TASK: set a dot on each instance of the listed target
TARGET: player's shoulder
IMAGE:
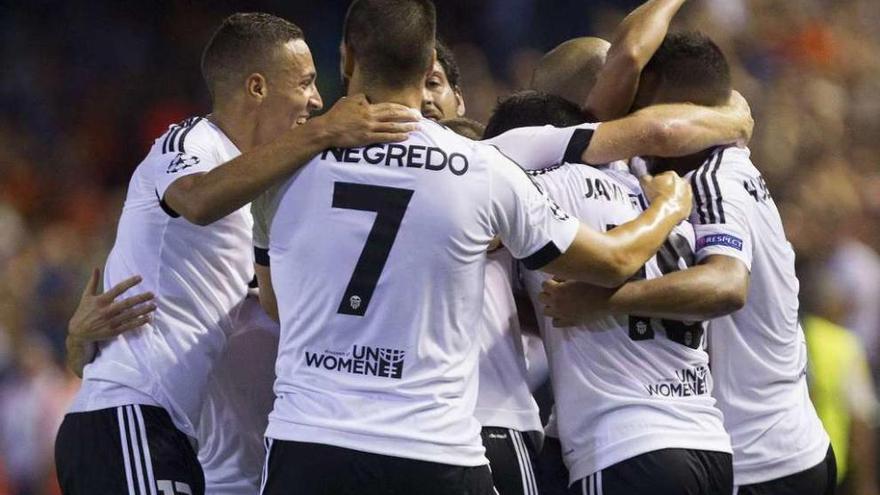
(724, 168)
(186, 136)
(729, 162)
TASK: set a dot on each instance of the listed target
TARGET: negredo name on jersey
(400, 155)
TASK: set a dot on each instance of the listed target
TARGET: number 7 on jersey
(390, 205)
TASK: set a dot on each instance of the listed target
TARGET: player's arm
(100, 317)
(609, 259)
(717, 287)
(670, 130)
(207, 197)
(267, 292)
(636, 39)
(660, 130)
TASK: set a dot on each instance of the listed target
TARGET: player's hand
(742, 113)
(100, 317)
(671, 189)
(571, 304)
(353, 122)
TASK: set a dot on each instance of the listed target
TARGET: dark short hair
(689, 67)
(244, 43)
(392, 40)
(532, 108)
(466, 127)
(447, 60)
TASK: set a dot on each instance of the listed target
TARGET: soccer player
(633, 409)
(745, 279)
(183, 228)
(377, 257)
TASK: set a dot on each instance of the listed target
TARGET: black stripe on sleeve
(190, 127)
(165, 142)
(542, 257)
(580, 140)
(719, 206)
(704, 180)
(173, 135)
(261, 256)
(167, 209)
(698, 196)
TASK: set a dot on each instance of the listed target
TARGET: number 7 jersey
(377, 258)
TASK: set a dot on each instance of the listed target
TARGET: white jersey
(378, 257)
(624, 386)
(759, 355)
(504, 399)
(237, 404)
(198, 274)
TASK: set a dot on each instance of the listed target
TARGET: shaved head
(570, 70)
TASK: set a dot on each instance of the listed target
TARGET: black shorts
(820, 479)
(663, 472)
(127, 450)
(552, 473)
(299, 468)
(511, 455)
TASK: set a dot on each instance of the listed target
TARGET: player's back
(377, 259)
(758, 354)
(198, 275)
(626, 385)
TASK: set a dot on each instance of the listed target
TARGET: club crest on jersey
(181, 162)
(382, 362)
(354, 302)
(725, 240)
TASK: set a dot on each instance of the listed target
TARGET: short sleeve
(722, 208)
(180, 158)
(533, 228)
(535, 148)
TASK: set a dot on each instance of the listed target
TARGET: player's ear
(459, 103)
(346, 63)
(255, 86)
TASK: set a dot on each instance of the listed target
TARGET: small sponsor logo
(688, 382)
(181, 162)
(362, 360)
(726, 240)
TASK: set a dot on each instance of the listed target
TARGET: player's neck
(242, 136)
(410, 96)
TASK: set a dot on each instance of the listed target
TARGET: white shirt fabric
(504, 399)
(198, 274)
(758, 354)
(388, 363)
(237, 404)
(624, 386)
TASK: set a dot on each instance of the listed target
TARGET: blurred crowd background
(87, 86)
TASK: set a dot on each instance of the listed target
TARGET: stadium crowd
(84, 92)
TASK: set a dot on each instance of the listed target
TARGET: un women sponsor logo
(361, 360)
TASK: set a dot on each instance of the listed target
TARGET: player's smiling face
(292, 93)
(439, 99)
